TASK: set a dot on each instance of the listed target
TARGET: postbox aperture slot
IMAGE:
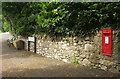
(106, 33)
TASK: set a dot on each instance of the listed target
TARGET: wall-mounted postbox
(107, 42)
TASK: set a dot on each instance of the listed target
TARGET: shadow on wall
(119, 50)
(119, 42)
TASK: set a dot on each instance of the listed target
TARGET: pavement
(21, 63)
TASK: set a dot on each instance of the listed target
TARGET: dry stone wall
(88, 50)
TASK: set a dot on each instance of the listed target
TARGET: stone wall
(25, 40)
(88, 50)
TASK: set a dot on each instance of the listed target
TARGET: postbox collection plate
(106, 40)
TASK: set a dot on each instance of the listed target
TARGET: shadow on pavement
(57, 71)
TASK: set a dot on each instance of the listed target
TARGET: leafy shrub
(58, 18)
(75, 61)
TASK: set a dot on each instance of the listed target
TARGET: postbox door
(106, 44)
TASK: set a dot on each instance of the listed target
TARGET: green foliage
(5, 26)
(75, 61)
(91, 66)
(0, 31)
(58, 18)
(22, 54)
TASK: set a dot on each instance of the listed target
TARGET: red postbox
(107, 42)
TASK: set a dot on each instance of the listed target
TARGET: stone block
(83, 55)
(72, 48)
(64, 47)
(114, 70)
(56, 56)
(87, 38)
(74, 44)
(85, 62)
(88, 47)
(75, 39)
(105, 62)
(65, 60)
(103, 67)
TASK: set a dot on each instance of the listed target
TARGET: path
(34, 65)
